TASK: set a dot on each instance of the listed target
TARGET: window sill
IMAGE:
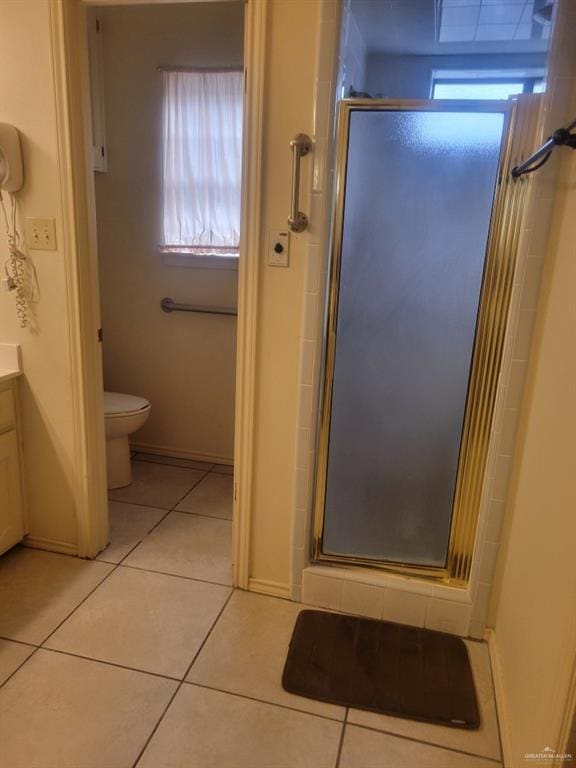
(173, 258)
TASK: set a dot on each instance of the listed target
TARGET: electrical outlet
(41, 234)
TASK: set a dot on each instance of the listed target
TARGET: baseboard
(272, 588)
(51, 545)
(158, 450)
(507, 755)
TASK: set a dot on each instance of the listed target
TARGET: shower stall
(424, 241)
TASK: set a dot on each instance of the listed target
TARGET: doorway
(70, 40)
(167, 99)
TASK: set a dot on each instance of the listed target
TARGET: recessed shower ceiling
(488, 20)
(451, 26)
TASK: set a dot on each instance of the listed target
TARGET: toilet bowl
(123, 415)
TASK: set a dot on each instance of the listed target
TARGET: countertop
(10, 362)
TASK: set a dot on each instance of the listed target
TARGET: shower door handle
(301, 145)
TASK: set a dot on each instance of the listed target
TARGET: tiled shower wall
(374, 593)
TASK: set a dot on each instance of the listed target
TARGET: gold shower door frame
(518, 136)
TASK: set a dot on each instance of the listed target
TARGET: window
(202, 162)
(483, 84)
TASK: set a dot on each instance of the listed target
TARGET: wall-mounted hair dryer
(11, 167)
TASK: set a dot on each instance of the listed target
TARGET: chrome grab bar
(169, 305)
(301, 145)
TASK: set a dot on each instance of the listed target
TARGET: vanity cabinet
(12, 519)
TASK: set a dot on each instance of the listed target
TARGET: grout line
(41, 645)
(155, 506)
(137, 457)
(342, 734)
(175, 575)
(179, 686)
(19, 667)
(20, 642)
(120, 562)
(115, 567)
(194, 514)
(423, 741)
(263, 701)
(100, 559)
(133, 504)
(106, 577)
(196, 484)
(108, 663)
(57, 627)
(216, 620)
(199, 514)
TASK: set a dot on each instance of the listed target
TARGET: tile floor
(147, 657)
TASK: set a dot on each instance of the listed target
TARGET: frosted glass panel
(418, 199)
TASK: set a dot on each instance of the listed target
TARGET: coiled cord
(18, 266)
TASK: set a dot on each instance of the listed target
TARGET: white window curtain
(202, 161)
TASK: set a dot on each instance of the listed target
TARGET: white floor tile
(212, 497)
(39, 589)
(11, 656)
(143, 620)
(247, 649)
(369, 749)
(174, 461)
(209, 729)
(157, 485)
(188, 545)
(129, 523)
(59, 711)
(485, 741)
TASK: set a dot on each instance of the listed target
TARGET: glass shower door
(416, 190)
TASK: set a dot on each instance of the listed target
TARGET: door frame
(70, 63)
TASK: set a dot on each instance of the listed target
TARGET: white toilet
(123, 415)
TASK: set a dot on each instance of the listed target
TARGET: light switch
(278, 249)
(41, 234)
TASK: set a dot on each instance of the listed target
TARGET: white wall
(183, 363)
(27, 100)
(532, 610)
(293, 29)
(535, 598)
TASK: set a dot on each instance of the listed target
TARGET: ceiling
(433, 27)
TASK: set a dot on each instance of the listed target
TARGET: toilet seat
(117, 405)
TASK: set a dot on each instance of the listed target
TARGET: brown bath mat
(382, 667)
